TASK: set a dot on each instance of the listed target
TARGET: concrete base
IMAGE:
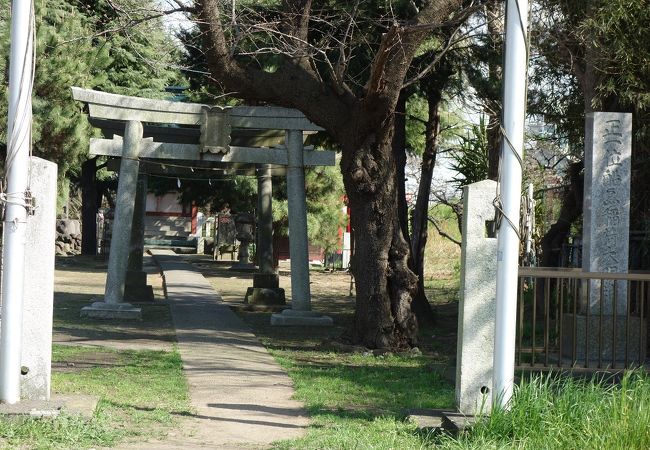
(243, 267)
(103, 310)
(83, 405)
(590, 343)
(290, 317)
(426, 419)
(265, 296)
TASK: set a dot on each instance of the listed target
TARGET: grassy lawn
(358, 401)
(141, 394)
(133, 367)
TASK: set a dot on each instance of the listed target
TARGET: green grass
(141, 393)
(379, 385)
(549, 412)
(358, 401)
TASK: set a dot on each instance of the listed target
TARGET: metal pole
(514, 108)
(15, 226)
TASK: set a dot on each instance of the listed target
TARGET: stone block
(610, 344)
(265, 296)
(38, 297)
(136, 277)
(138, 293)
(103, 310)
(477, 308)
(74, 404)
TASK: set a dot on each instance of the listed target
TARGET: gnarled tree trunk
(360, 120)
(384, 283)
(420, 304)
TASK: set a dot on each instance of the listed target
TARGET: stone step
(168, 226)
(170, 242)
(167, 236)
(159, 232)
(163, 220)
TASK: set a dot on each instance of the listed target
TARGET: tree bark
(384, 283)
(420, 304)
(399, 152)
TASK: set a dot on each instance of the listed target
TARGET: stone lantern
(245, 234)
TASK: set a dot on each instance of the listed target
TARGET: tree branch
(441, 232)
(293, 85)
(298, 13)
(398, 46)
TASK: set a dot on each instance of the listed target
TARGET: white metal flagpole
(514, 109)
(21, 61)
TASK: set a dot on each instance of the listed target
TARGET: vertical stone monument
(36, 359)
(266, 288)
(602, 323)
(606, 223)
(477, 308)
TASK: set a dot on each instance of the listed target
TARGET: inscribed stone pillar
(602, 328)
(113, 305)
(36, 358)
(300, 312)
(477, 308)
(608, 148)
(136, 287)
(266, 283)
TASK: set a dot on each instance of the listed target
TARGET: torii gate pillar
(300, 312)
(113, 305)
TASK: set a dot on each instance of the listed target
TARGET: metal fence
(570, 319)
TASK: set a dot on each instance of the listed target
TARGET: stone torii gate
(200, 135)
